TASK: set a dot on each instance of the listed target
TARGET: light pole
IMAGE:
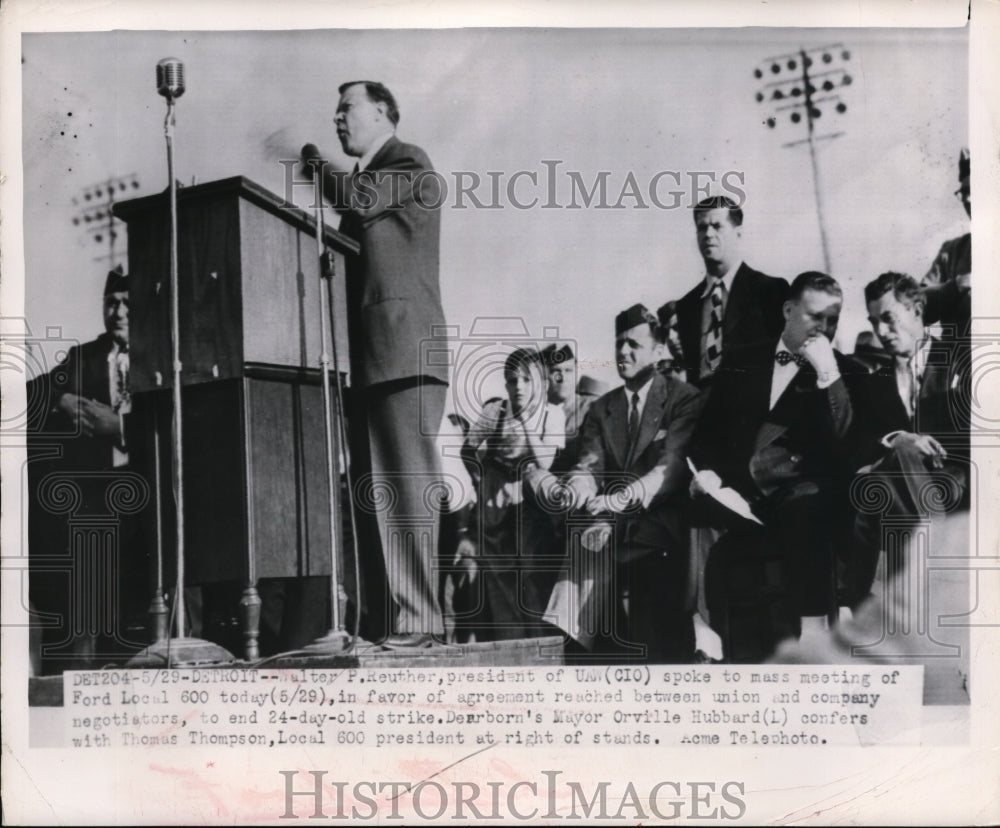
(798, 89)
(95, 212)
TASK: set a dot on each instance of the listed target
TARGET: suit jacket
(55, 446)
(808, 435)
(576, 414)
(753, 313)
(84, 373)
(393, 290)
(941, 409)
(947, 294)
(656, 464)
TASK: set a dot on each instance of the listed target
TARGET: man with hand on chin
(778, 426)
(632, 472)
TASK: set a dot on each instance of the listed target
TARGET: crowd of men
(741, 440)
(803, 434)
(831, 459)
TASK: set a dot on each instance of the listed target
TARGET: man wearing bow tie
(777, 427)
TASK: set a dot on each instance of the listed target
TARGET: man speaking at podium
(389, 205)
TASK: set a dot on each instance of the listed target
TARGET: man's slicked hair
(903, 287)
(814, 280)
(377, 93)
(720, 203)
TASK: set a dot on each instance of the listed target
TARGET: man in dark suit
(390, 206)
(914, 425)
(777, 427)
(734, 304)
(91, 390)
(947, 286)
(81, 437)
(632, 472)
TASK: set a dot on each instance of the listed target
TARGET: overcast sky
(617, 101)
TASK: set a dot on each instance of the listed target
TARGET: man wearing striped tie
(733, 304)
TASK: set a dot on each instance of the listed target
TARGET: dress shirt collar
(910, 373)
(727, 280)
(917, 363)
(921, 356)
(642, 392)
(377, 144)
(783, 346)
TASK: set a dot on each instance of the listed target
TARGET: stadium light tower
(799, 88)
(94, 212)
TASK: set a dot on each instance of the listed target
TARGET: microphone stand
(158, 611)
(179, 650)
(337, 640)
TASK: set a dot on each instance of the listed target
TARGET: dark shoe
(408, 641)
(701, 657)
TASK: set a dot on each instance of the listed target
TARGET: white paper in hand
(730, 498)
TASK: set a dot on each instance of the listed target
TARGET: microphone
(170, 78)
(311, 159)
(310, 154)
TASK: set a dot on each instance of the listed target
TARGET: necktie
(633, 421)
(123, 399)
(784, 357)
(713, 338)
(914, 388)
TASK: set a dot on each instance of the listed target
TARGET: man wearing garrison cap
(560, 362)
(87, 418)
(632, 473)
(91, 389)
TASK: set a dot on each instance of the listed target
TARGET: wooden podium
(256, 495)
